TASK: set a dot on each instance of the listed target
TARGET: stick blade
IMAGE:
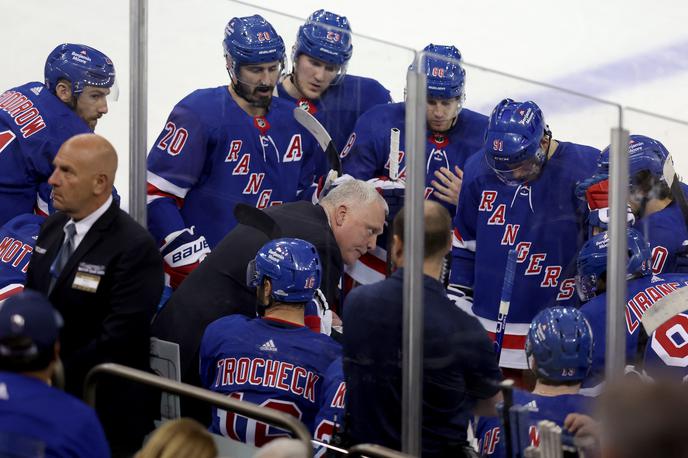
(324, 139)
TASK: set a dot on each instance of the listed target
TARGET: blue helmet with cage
(560, 345)
(325, 36)
(512, 141)
(252, 40)
(81, 65)
(292, 265)
(592, 261)
(445, 76)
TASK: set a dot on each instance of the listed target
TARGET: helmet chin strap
(238, 90)
(295, 81)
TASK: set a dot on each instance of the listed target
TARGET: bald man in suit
(103, 272)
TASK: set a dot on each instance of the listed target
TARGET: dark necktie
(63, 255)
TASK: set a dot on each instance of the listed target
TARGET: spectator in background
(644, 420)
(36, 419)
(180, 438)
(103, 272)
(460, 369)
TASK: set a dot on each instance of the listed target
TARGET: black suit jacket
(218, 286)
(112, 323)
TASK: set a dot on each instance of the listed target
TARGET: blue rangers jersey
(642, 294)
(666, 355)
(340, 106)
(33, 125)
(542, 220)
(212, 155)
(667, 235)
(267, 362)
(39, 420)
(554, 408)
(366, 154)
(17, 239)
(330, 417)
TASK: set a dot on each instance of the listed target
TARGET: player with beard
(225, 145)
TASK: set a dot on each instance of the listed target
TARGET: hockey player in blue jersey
(318, 81)
(226, 145)
(665, 353)
(330, 418)
(36, 118)
(559, 351)
(17, 239)
(274, 360)
(643, 290)
(518, 194)
(454, 133)
(658, 215)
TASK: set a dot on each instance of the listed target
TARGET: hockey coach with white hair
(343, 226)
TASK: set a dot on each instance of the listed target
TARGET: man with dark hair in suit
(103, 272)
(459, 363)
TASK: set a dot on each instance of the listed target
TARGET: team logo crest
(306, 105)
(262, 124)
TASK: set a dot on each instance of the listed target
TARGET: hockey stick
(394, 135)
(675, 185)
(317, 130)
(505, 301)
(258, 219)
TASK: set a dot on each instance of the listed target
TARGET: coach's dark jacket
(112, 323)
(218, 286)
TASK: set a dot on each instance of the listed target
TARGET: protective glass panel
(657, 196)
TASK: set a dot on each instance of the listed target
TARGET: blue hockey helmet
(292, 265)
(81, 65)
(445, 77)
(512, 141)
(252, 40)
(644, 153)
(560, 344)
(325, 36)
(592, 261)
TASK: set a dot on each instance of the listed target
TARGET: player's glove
(318, 315)
(393, 193)
(583, 185)
(182, 252)
(597, 197)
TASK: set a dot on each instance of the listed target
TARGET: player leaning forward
(225, 145)
(519, 195)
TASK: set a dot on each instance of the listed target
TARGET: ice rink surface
(634, 53)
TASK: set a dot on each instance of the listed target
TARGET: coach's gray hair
(353, 192)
